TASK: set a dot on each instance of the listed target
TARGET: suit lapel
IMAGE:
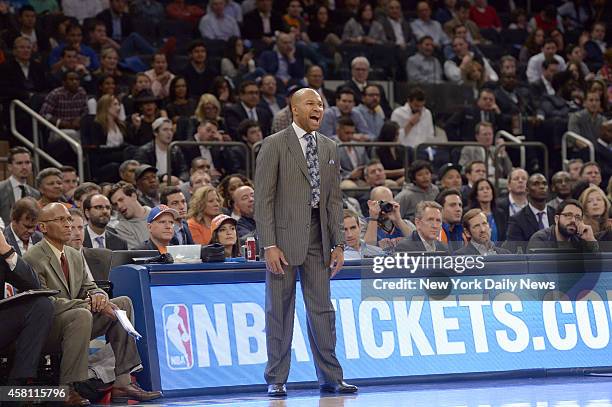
(87, 240)
(296, 150)
(74, 264)
(531, 218)
(55, 265)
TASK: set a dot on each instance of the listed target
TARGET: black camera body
(385, 207)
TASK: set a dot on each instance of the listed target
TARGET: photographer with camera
(385, 224)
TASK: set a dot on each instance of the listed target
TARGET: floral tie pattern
(312, 161)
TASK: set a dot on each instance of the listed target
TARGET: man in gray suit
(82, 310)
(297, 189)
(352, 159)
(15, 186)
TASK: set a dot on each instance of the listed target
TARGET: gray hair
(421, 206)
(357, 60)
(47, 172)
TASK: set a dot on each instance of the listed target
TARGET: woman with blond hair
(596, 207)
(209, 108)
(204, 205)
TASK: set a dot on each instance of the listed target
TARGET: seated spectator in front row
(173, 197)
(132, 223)
(97, 210)
(428, 222)
(25, 323)
(569, 231)
(81, 313)
(160, 223)
(533, 217)
(21, 233)
(384, 228)
(354, 247)
(452, 210)
(205, 204)
(243, 199)
(97, 261)
(478, 231)
(420, 189)
(224, 232)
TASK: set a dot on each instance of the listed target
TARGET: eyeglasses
(61, 219)
(569, 216)
(101, 207)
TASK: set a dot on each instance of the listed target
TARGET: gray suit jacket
(43, 261)
(99, 262)
(12, 239)
(282, 196)
(111, 241)
(7, 199)
(346, 166)
(473, 153)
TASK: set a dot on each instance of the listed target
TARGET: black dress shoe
(277, 390)
(340, 387)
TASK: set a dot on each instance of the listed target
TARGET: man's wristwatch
(7, 254)
(338, 245)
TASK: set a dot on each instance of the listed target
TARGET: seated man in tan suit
(82, 310)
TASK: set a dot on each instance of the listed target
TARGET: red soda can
(251, 250)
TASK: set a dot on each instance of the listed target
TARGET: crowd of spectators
(125, 79)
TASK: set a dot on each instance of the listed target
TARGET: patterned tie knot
(312, 161)
(100, 241)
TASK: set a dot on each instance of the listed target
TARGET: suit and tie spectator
(460, 126)
(247, 108)
(21, 232)
(15, 187)
(396, 27)
(476, 228)
(428, 222)
(97, 210)
(533, 217)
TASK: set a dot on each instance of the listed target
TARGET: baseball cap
(446, 168)
(219, 220)
(159, 121)
(160, 210)
(142, 169)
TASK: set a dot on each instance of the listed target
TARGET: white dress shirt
(300, 134)
(544, 217)
(422, 132)
(93, 236)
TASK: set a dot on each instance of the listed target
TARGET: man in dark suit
(477, 229)
(360, 70)
(81, 311)
(533, 217)
(460, 126)
(21, 233)
(247, 108)
(253, 27)
(175, 199)
(428, 222)
(27, 28)
(97, 261)
(298, 210)
(22, 77)
(25, 323)
(118, 10)
(284, 61)
(603, 151)
(515, 201)
(19, 167)
(97, 210)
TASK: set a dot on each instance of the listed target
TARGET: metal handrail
(239, 144)
(514, 139)
(34, 146)
(455, 144)
(522, 145)
(578, 137)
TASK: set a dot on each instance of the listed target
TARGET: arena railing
(35, 146)
(522, 145)
(243, 146)
(514, 139)
(452, 145)
(570, 135)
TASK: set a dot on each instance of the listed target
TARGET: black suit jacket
(199, 83)
(413, 243)
(7, 199)
(384, 103)
(15, 85)
(111, 241)
(22, 277)
(146, 155)
(235, 114)
(12, 240)
(502, 212)
(42, 40)
(522, 226)
(99, 262)
(460, 126)
(189, 238)
(470, 250)
(252, 25)
(126, 23)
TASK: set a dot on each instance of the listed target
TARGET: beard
(563, 230)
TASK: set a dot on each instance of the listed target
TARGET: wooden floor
(540, 392)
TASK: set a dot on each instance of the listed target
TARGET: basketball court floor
(589, 391)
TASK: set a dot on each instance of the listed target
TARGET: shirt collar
(536, 210)
(56, 252)
(14, 182)
(300, 132)
(93, 235)
(482, 249)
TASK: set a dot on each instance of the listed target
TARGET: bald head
(52, 210)
(307, 109)
(381, 194)
(55, 222)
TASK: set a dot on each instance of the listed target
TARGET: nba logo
(177, 335)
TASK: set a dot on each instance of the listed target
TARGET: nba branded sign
(216, 335)
(177, 329)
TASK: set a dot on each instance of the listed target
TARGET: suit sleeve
(22, 276)
(88, 287)
(334, 207)
(266, 174)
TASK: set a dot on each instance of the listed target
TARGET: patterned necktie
(64, 264)
(312, 161)
(24, 191)
(100, 241)
(251, 114)
(540, 220)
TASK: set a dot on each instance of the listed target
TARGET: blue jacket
(268, 61)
